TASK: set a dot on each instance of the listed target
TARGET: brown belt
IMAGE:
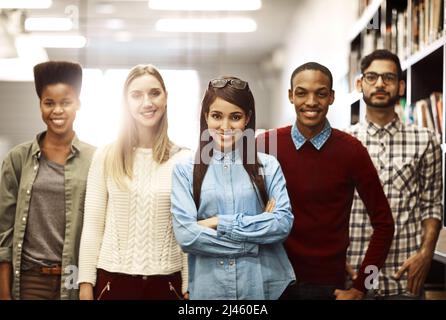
(54, 271)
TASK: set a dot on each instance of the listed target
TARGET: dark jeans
(118, 286)
(309, 291)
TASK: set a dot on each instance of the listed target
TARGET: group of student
(301, 212)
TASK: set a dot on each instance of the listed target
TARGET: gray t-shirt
(45, 229)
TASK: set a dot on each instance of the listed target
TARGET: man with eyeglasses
(322, 167)
(408, 160)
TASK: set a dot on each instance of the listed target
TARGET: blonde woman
(128, 249)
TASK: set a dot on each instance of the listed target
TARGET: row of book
(427, 22)
(426, 112)
(399, 31)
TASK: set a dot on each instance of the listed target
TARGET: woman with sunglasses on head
(128, 249)
(42, 192)
(231, 210)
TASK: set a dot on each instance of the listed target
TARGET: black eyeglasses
(372, 77)
(235, 83)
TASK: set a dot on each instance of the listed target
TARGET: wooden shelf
(420, 55)
(361, 24)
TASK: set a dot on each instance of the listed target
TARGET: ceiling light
(114, 24)
(25, 4)
(206, 5)
(48, 24)
(105, 8)
(207, 25)
(57, 41)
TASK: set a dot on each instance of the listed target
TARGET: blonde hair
(119, 156)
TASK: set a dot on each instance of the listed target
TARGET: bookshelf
(415, 30)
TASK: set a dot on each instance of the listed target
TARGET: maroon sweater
(321, 184)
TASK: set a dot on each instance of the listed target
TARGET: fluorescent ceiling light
(207, 25)
(105, 8)
(48, 24)
(25, 4)
(114, 24)
(58, 41)
(206, 5)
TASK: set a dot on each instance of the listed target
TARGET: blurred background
(190, 41)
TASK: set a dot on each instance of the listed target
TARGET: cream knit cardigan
(131, 231)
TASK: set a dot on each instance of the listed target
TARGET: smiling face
(226, 123)
(58, 105)
(381, 94)
(311, 95)
(146, 101)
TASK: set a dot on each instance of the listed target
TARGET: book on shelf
(401, 35)
(435, 97)
(427, 113)
(427, 23)
(415, 27)
(369, 43)
(436, 26)
(440, 114)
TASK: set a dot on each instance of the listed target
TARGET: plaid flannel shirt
(408, 161)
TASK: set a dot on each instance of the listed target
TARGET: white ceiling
(104, 47)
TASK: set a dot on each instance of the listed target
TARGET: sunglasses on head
(235, 83)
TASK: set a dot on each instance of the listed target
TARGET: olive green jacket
(19, 170)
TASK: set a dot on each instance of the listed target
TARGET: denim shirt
(244, 258)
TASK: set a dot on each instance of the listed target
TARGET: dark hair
(312, 66)
(245, 100)
(382, 55)
(53, 72)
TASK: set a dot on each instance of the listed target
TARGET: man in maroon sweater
(323, 167)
